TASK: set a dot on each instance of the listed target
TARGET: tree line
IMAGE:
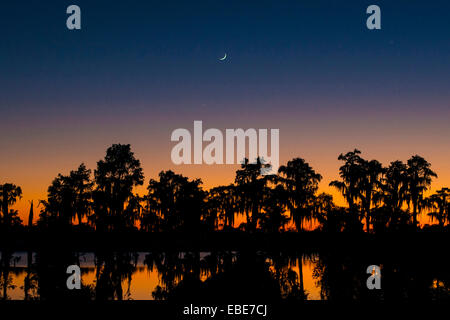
(379, 198)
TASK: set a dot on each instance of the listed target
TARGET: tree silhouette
(395, 186)
(68, 197)
(222, 203)
(375, 195)
(440, 205)
(351, 173)
(273, 218)
(330, 217)
(370, 185)
(392, 195)
(82, 186)
(251, 187)
(9, 193)
(115, 178)
(301, 183)
(179, 203)
(30, 215)
(419, 177)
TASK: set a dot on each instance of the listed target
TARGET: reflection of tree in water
(5, 277)
(30, 285)
(112, 268)
(232, 276)
(9, 271)
(425, 279)
(282, 267)
(51, 273)
(338, 277)
(226, 275)
(342, 276)
(173, 268)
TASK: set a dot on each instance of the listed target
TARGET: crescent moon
(224, 57)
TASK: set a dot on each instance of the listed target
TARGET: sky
(138, 70)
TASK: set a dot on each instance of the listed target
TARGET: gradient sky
(136, 71)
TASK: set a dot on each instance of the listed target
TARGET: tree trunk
(300, 271)
(415, 213)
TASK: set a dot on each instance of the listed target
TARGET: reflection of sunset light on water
(437, 284)
(143, 281)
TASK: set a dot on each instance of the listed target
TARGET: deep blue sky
(167, 51)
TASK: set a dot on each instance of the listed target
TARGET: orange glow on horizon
(212, 177)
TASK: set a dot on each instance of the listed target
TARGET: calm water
(184, 276)
(142, 275)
